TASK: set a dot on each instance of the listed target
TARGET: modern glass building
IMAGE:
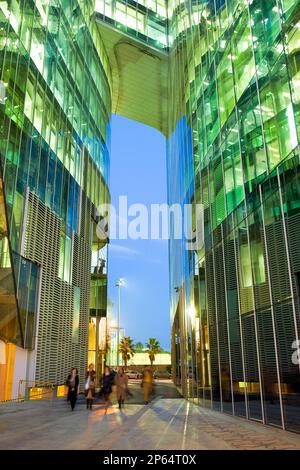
(54, 145)
(220, 79)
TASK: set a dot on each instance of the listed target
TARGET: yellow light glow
(61, 391)
(191, 311)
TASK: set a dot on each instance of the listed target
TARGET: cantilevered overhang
(139, 78)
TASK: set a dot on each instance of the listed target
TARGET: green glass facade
(145, 20)
(54, 145)
(10, 320)
(234, 148)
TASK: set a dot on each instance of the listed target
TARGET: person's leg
(72, 401)
(146, 393)
(91, 403)
(150, 391)
(87, 403)
(75, 399)
(107, 402)
(120, 403)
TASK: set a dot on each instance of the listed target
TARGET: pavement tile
(169, 423)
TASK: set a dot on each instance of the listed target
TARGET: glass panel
(225, 86)
(9, 323)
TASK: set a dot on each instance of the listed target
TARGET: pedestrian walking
(121, 381)
(73, 385)
(90, 386)
(107, 383)
(147, 384)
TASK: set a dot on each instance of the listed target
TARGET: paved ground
(168, 423)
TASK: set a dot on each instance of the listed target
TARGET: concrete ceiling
(139, 78)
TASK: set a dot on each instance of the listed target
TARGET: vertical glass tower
(234, 148)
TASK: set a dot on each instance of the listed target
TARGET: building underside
(139, 78)
(220, 79)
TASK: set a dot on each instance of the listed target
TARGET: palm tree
(126, 348)
(153, 348)
(139, 346)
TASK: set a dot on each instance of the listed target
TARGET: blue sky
(138, 170)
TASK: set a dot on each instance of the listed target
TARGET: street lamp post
(119, 284)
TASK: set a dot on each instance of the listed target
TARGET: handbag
(87, 383)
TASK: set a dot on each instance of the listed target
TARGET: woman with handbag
(90, 386)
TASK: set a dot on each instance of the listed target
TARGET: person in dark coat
(73, 385)
(90, 386)
(107, 382)
(121, 381)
